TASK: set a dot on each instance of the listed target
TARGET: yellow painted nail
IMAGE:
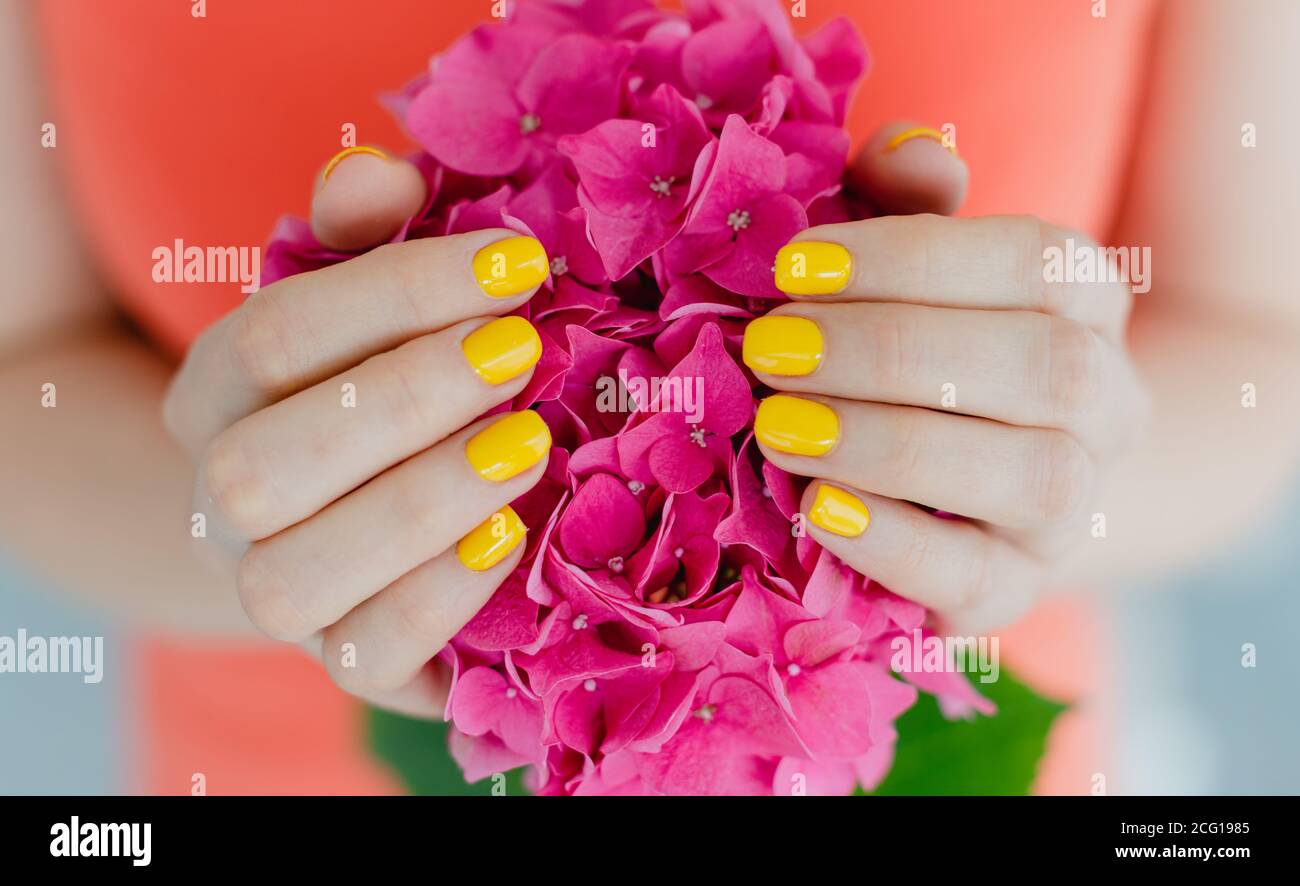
(920, 132)
(348, 152)
(839, 512)
(511, 266)
(809, 267)
(503, 349)
(783, 345)
(509, 446)
(797, 426)
(491, 541)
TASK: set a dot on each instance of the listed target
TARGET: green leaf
(416, 750)
(988, 755)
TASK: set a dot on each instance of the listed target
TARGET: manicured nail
(780, 345)
(348, 152)
(839, 512)
(919, 132)
(808, 267)
(797, 426)
(510, 446)
(503, 349)
(511, 266)
(491, 541)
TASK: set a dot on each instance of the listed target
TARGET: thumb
(363, 196)
(907, 169)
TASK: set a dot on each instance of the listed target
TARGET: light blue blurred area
(58, 734)
(1192, 718)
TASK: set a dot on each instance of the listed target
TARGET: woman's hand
(344, 522)
(925, 361)
(332, 418)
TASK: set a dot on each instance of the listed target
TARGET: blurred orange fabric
(207, 129)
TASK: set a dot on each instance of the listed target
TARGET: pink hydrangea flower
(666, 631)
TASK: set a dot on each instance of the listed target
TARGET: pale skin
(1054, 384)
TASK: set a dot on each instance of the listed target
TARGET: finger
(906, 168)
(1018, 367)
(394, 633)
(356, 424)
(308, 327)
(424, 696)
(363, 196)
(997, 262)
(310, 575)
(975, 581)
(1016, 477)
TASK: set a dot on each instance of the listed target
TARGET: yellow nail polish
(491, 541)
(839, 512)
(809, 267)
(920, 132)
(348, 152)
(509, 446)
(797, 426)
(511, 266)
(782, 345)
(503, 349)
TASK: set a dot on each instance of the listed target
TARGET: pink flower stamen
(663, 188)
(738, 220)
(529, 123)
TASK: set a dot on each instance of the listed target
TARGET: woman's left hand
(926, 363)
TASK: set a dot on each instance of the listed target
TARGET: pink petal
(471, 127)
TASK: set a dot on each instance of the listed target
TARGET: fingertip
(363, 197)
(906, 169)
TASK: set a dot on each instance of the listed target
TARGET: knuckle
(268, 600)
(915, 555)
(1054, 297)
(1061, 477)
(419, 617)
(1075, 371)
(892, 347)
(260, 345)
(407, 391)
(1031, 239)
(417, 504)
(350, 666)
(406, 269)
(904, 451)
(980, 580)
(240, 497)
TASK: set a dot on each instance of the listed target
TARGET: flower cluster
(670, 630)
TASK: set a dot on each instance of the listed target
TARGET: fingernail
(503, 349)
(919, 132)
(783, 345)
(510, 266)
(808, 267)
(348, 152)
(797, 426)
(510, 446)
(839, 512)
(491, 541)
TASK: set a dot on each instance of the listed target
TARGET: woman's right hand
(331, 417)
